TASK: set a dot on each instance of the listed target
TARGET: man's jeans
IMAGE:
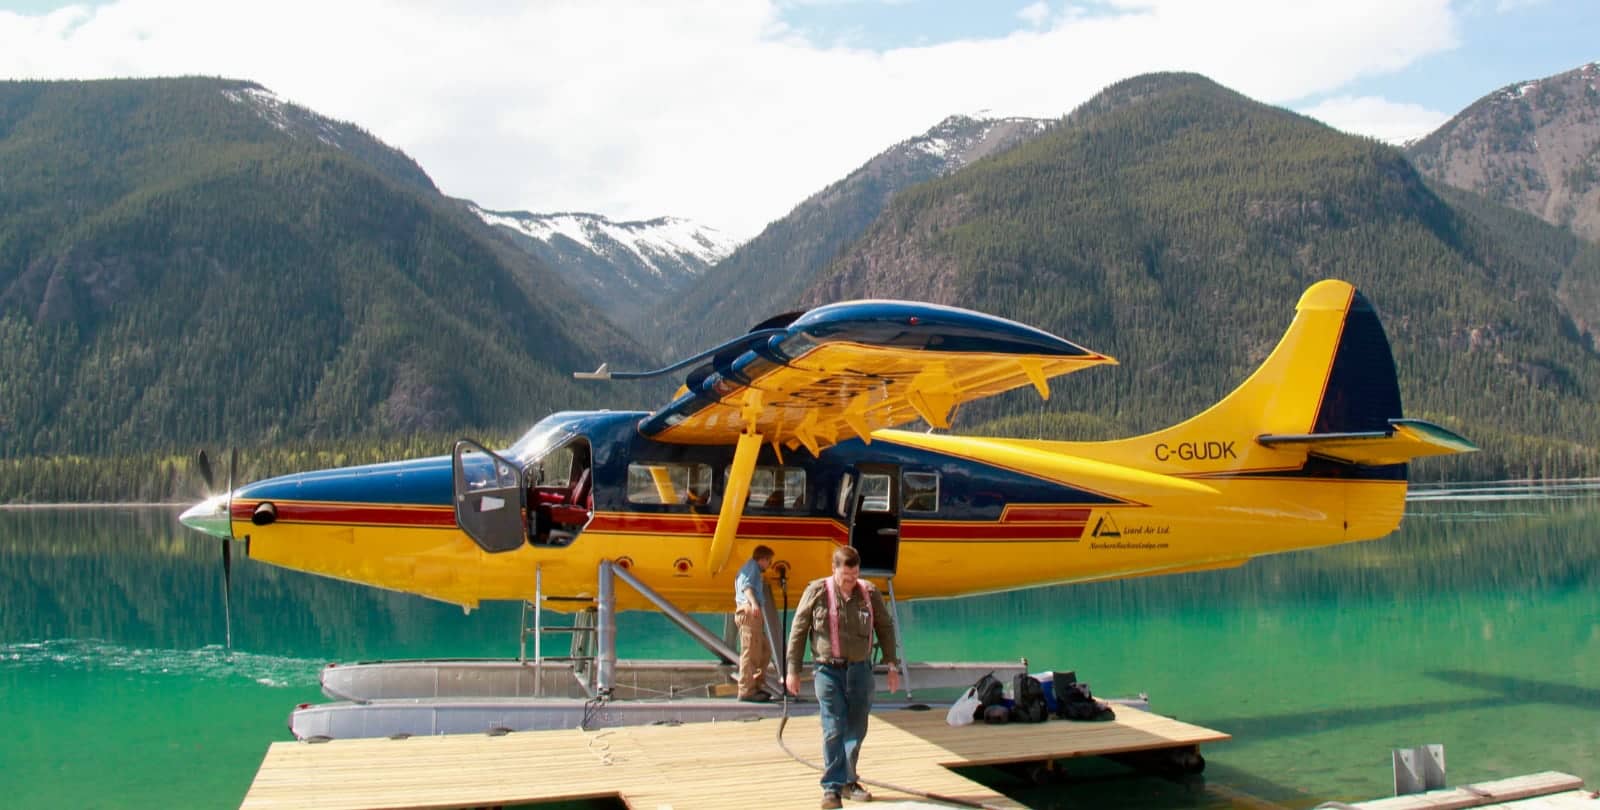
(845, 697)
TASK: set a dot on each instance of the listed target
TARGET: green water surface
(1476, 626)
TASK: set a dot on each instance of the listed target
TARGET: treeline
(173, 476)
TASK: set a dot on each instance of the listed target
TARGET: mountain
(194, 260)
(1173, 223)
(766, 275)
(1534, 146)
(621, 268)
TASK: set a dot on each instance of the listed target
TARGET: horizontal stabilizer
(1405, 439)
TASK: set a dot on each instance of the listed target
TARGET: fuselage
(945, 515)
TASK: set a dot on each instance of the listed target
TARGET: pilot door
(490, 498)
(873, 500)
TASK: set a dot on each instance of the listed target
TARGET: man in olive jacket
(838, 615)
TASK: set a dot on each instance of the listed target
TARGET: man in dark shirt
(838, 615)
(753, 652)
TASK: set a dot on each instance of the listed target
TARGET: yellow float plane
(786, 437)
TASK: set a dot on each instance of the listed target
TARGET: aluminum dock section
(700, 765)
(1547, 790)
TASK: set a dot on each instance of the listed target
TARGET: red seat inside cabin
(571, 506)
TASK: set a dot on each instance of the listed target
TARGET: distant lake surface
(1477, 625)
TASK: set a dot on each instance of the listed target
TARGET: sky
(731, 112)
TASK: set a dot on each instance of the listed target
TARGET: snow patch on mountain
(961, 139)
(655, 243)
(288, 118)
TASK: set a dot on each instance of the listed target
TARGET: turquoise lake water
(1477, 626)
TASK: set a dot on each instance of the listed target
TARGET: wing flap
(1405, 440)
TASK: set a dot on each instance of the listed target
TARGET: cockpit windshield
(537, 442)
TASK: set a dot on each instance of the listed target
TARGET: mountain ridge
(619, 267)
(183, 260)
(1532, 145)
(766, 275)
(1172, 223)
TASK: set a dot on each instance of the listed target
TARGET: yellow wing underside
(841, 390)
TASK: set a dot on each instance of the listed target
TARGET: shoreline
(96, 505)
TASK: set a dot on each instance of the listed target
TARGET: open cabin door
(875, 517)
(490, 497)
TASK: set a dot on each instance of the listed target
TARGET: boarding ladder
(899, 636)
(581, 647)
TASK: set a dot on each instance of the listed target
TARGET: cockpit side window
(555, 469)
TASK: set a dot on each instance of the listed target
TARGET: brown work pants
(753, 654)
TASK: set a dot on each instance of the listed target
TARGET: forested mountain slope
(1173, 224)
(192, 260)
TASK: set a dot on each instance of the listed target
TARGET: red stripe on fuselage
(1029, 523)
(749, 526)
(1044, 514)
(437, 517)
(912, 531)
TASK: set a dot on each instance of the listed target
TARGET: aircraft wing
(845, 370)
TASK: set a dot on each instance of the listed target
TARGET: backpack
(990, 690)
(1029, 705)
(1075, 702)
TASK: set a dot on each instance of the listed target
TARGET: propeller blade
(227, 589)
(205, 472)
(233, 464)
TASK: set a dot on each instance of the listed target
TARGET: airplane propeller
(214, 517)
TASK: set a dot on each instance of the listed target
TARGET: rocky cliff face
(1534, 146)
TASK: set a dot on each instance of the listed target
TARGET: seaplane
(830, 427)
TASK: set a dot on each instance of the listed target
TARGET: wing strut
(733, 499)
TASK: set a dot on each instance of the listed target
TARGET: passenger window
(920, 491)
(775, 488)
(874, 493)
(669, 483)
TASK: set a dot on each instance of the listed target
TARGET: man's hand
(894, 678)
(792, 683)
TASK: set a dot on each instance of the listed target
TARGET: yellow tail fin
(1328, 391)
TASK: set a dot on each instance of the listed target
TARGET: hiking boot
(856, 793)
(830, 800)
(756, 697)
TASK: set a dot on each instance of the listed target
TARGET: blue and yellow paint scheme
(788, 437)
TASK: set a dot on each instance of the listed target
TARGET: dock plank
(703, 765)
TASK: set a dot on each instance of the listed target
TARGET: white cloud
(1035, 14)
(711, 109)
(1379, 118)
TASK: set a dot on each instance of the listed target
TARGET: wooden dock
(705, 765)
